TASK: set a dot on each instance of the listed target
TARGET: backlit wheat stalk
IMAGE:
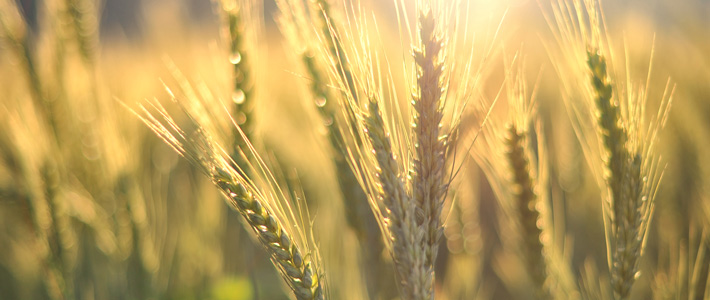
(404, 170)
(429, 176)
(279, 228)
(305, 26)
(621, 149)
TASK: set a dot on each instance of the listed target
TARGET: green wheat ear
(238, 27)
(297, 272)
(624, 178)
(262, 205)
(408, 237)
(618, 139)
(526, 201)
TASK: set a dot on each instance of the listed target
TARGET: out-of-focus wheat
(241, 24)
(512, 164)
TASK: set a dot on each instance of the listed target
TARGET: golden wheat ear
(268, 211)
(400, 154)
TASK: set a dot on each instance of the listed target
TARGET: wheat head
(623, 139)
(266, 210)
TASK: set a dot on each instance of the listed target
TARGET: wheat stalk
(622, 139)
(295, 22)
(429, 174)
(629, 210)
(273, 223)
(406, 198)
(41, 171)
(237, 24)
(409, 238)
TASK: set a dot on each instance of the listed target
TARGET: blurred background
(95, 206)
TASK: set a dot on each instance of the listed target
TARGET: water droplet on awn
(240, 118)
(238, 96)
(235, 58)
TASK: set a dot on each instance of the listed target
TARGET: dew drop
(235, 58)
(328, 121)
(238, 96)
(320, 101)
(240, 118)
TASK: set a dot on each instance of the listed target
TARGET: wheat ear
(515, 168)
(298, 273)
(359, 215)
(295, 265)
(409, 240)
(241, 85)
(15, 30)
(523, 189)
(612, 127)
(628, 206)
(42, 195)
(428, 178)
(84, 26)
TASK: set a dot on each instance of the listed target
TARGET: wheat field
(346, 149)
